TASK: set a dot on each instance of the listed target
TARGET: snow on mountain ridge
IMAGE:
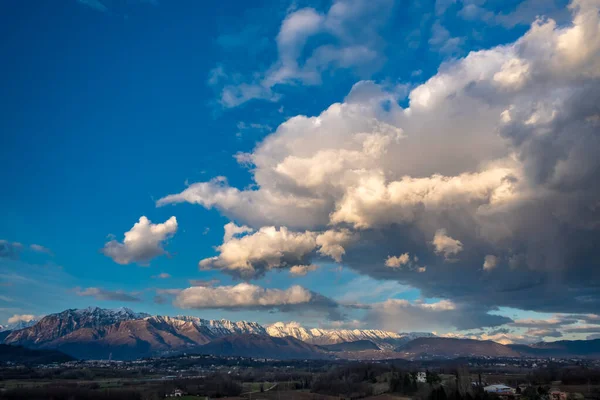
(116, 314)
(332, 336)
(226, 327)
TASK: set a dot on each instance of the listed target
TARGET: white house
(176, 393)
(421, 377)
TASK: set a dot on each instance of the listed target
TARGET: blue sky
(110, 106)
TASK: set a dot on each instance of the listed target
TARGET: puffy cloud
(396, 262)
(162, 275)
(373, 202)
(21, 318)
(248, 296)
(232, 230)
(142, 243)
(445, 244)
(331, 243)
(270, 248)
(104, 294)
(523, 189)
(490, 262)
(301, 270)
(405, 263)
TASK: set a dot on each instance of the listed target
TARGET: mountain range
(96, 333)
(383, 339)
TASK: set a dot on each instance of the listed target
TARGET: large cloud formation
(142, 243)
(248, 296)
(495, 158)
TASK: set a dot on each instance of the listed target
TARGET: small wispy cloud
(104, 294)
(40, 249)
(13, 250)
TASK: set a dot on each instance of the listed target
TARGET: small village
(207, 376)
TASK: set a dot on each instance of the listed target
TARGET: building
(176, 393)
(421, 377)
(500, 389)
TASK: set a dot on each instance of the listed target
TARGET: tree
(531, 393)
(432, 377)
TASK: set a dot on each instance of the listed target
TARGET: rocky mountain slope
(55, 326)
(262, 346)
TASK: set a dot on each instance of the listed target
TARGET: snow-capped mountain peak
(384, 339)
(225, 327)
(114, 315)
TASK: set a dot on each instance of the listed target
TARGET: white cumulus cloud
(270, 248)
(397, 261)
(142, 243)
(490, 262)
(445, 244)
